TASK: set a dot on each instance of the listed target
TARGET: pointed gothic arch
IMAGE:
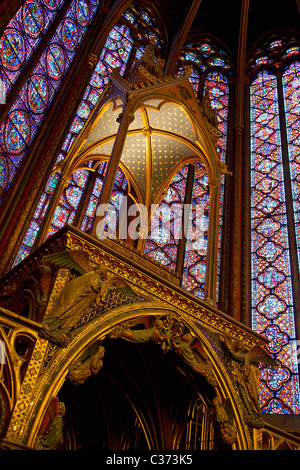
(59, 361)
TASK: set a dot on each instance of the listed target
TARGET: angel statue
(223, 424)
(155, 334)
(51, 433)
(79, 294)
(87, 365)
(181, 346)
(244, 363)
(171, 334)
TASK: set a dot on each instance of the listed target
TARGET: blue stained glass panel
(22, 35)
(291, 90)
(33, 18)
(70, 34)
(29, 109)
(272, 299)
(38, 93)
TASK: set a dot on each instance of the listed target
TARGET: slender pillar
(125, 120)
(113, 13)
(85, 199)
(237, 216)
(144, 229)
(246, 316)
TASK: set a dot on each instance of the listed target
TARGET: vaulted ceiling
(222, 18)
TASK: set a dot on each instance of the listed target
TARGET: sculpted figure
(171, 334)
(182, 347)
(224, 168)
(223, 426)
(52, 436)
(79, 294)
(80, 371)
(159, 67)
(243, 366)
(148, 57)
(140, 336)
(188, 69)
(243, 369)
(206, 106)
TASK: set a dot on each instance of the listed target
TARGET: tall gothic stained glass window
(182, 217)
(274, 123)
(123, 46)
(291, 90)
(27, 113)
(22, 35)
(217, 85)
(118, 193)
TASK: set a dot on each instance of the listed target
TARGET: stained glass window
(34, 226)
(176, 219)
(29, 109)
(210, 71)
(194, 78)
(166, 223)
(206, 55)
(22, 35)
(99, 79)
(272, 52)
(218, 86)
(66, 209)
(145, 24)
(112, 216)
(91, 207)
(118, 194)
(272, 282)
(115, 53)
(291, 89)
(194, 269)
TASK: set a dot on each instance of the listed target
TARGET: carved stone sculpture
(171, 334)
(226, 431)
(79, 294)
(79, 371)
(52, 437)
(243, 364)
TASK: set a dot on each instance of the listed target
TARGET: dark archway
(140, 400)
